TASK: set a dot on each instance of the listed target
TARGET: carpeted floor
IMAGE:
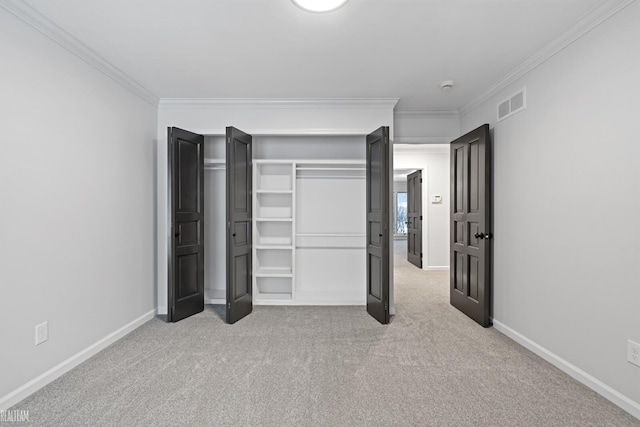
(325, 366)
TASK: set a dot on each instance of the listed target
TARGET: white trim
(286, 132)
(42, 380)
(41, 23)
(453, 114)
(436, 268)
(272, 103)
(423, 139)
(597, 15)
(573, 371)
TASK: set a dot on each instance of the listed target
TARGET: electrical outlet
(633, 352)
(42, 332)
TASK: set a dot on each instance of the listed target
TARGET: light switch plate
(42, 333)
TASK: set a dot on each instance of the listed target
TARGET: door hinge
(228, 225)
(420, 217)
(229, 305)
(420, 254)
(386, 306)
(420, 180)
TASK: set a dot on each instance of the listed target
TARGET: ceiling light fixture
(319, 5)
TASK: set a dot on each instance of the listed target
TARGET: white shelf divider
(273, 247)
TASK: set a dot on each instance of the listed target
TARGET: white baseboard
(42, 380)
(576, 373)
(436, 268)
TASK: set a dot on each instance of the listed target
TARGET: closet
(277, 220)
(308, 220)
(310, 224)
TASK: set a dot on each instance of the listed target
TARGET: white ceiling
(272, 49)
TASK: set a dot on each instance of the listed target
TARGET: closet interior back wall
(330, 232)
(215, 273)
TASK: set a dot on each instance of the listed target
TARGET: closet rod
(303, 168)
(330, 235)
(329, 247)
(329, 177)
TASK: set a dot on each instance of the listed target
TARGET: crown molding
(453, 114)
(294, 103)
(597, 15)
(75, 46)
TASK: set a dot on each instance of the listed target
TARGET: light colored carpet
(325, 366)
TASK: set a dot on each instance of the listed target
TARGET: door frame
(425, 211)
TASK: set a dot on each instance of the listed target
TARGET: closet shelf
(305, 168)
(272, 296)
(273, 219)
(265, 247)
(274, 272)
(330, 235)
(274, 191)
(329, 177)
(329, 247)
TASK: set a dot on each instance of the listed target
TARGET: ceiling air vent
(513, 104)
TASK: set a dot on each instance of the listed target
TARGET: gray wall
(567, 193)
(77, 217)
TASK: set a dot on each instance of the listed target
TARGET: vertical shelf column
(274, 202)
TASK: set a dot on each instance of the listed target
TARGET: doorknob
(483, 235)
(379, 235)
(234, 234)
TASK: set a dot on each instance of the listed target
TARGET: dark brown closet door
(470, 225)
(186, 231)
(378, 230)
(239, 219)
(414, 218)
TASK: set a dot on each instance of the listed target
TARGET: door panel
(239, 217)
(414, 218)
(378, 228)
(186, 231)
(470, 225)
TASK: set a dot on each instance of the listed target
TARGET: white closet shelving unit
(273, 225)
(309, 228)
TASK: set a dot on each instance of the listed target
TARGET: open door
(239, 219)
(414, 218)
(470, 225)
(378, 229)
(186, 224)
